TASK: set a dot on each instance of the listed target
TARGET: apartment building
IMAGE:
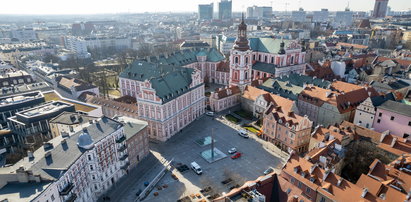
(79, 167)
(284, 128)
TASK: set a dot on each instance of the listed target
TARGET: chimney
(364, 192)
(30, 154)
(393, 142)
(383, 135)
(327, 171)
(339, 181)
(327, 94)
(312, 168)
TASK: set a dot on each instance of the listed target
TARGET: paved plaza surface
(258, 155)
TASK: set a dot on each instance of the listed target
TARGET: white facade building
(77, 45)
(338, 68)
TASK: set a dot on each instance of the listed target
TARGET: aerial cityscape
(205, 101)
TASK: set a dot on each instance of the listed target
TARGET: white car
(210, 113)
(232, 150)
(243, 133)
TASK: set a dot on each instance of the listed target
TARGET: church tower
(241, 59)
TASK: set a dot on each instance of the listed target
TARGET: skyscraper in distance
(380, 8)
(225, 9)
(205, 11)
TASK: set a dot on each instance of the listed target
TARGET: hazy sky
(117, 6)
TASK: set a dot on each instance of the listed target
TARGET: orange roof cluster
(251, 93)
(322, 72)
(344, 101)
(390, 143)
(274, 187)
(349, 45)
(226, 92)
(325, 182)
(332, 132)
(386, 182)
(395, 144)
(402, 62)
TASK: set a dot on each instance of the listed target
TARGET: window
(52, 197)
(379, 120)
(406, 135)
(409, 123)
(308, 190)
(392, 118)
(292, 180)
(299, 184)
(246, 60)
(89, 157)
(322, 199)
(91, 167)
(236, 60)
(380, 114)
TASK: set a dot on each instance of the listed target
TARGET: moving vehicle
(268, 171)
(236, 155)
(243, 133)
(210, 113)
(196, 168)
(232, 150)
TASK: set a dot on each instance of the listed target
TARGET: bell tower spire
(241, 43)
(241, 59)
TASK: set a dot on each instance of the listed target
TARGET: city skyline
(44, 7)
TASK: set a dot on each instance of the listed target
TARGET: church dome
(85, 141)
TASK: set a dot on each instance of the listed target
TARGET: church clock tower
(241, 59)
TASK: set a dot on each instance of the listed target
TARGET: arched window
(235, 75)
(254, 57)
(259, 58)
(236, 60)
(272, 60)
(265, 59)
(246, 75)
(292, 59)
(246, 60)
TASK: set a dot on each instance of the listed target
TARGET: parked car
(236, 155)
(243, 133)
(232, 150)
(196, 168)
(210, 113)
(268, 171)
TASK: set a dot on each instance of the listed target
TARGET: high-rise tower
(241, 59)
(380, 9)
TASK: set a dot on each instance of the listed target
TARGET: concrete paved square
(257, 156)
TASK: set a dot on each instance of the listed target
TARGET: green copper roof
(300, 80)
(168, 81)
(267, 45)
(264, 67)
(281, 88)
(188, 56)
